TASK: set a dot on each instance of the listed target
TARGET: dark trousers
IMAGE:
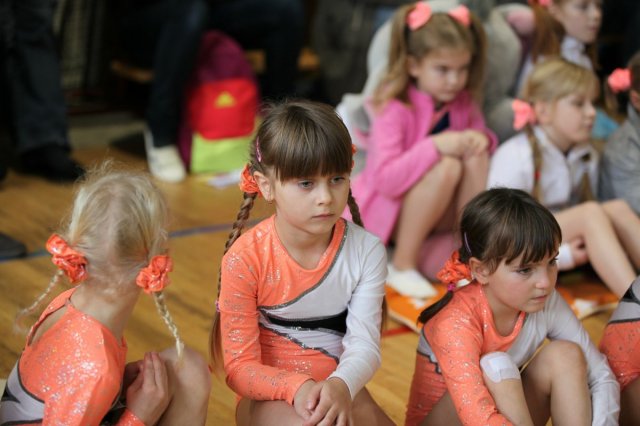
(30, 73)
(164, 35)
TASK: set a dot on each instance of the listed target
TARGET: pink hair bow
(70, 261)
(543, 3)
(620, 80)
(523, 114)
(155, 276)
(422, 12)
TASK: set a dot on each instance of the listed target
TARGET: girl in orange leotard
(477, 361)
(301, 293)
(72, 370)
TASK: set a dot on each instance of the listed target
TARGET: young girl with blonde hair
(553, 160)
(300, 299)
(481, 356)
(428, 149)
(72, 370)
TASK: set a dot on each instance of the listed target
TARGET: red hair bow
(248, 183)
(70, 261)
(422, 12)
(155, 276)
(523, 114)
(454, 273)
(620, 80)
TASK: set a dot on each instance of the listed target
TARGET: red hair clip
(155, 276)
(67, 259)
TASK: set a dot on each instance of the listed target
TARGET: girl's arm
(398, 163)
(456, 342)
(246, 374)
(605, 391)
(476, 122)
(87, 400)
(361, 356)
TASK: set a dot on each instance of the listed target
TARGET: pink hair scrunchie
(523, 114)
(155, 276)
(67, 259)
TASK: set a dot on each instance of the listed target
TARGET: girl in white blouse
(553, 160)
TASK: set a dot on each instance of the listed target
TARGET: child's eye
(337, 179)
(306, 184)
(553, 261)
(524, 271)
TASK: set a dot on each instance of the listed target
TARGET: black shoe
(52, 162)
(10, 248)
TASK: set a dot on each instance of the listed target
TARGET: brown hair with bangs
(297, 139)
(440, 32)
(502, 224)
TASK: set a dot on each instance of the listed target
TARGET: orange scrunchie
(453, 272)
(248, 183)
(70, 261)
(155, 276)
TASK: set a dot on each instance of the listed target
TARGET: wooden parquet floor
(31, 208)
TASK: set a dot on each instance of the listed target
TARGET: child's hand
(333, 404)
(131, 371)
(302, 404)
(148, 395)
(451, 143)
(477, 142)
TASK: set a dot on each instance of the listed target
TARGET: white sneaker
(410, 282)
(164, 162)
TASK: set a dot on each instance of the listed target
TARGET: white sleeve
(361, 357)
(605, 390)
(511, 166)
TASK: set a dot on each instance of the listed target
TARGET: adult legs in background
(277, 27)
(31, 73)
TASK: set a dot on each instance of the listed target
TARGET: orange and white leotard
(621, 340)
(72, 375)
(453, 341)
(282, 325)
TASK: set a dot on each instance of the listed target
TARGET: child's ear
(265, 186)
(479, 271)
(543, 111)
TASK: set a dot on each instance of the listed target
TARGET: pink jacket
(400, 152)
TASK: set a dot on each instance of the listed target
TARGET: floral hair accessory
(620, 80)
(523, 114)
(455, 274)
(422, 12)
(70, 261)
(155, 276)
(248, 183)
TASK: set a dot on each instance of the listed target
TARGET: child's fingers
(159, 371)
(318, 415)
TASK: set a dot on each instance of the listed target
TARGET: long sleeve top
(463, 331)
(401, 151)
(72, 375)
(282, 325)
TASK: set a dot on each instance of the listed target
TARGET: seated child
(72, 370)
(619, 171)
(481, 358)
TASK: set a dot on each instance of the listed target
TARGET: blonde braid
(161, 306)
(18, 325)
(537, 161)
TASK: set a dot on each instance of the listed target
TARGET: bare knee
(448, 171)
(190, 373)
(565, 357)
(618, 208)
(592, 210)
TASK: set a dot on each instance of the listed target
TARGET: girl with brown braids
(300, 298)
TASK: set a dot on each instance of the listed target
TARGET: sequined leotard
(452, 342)
(71, 375)
(282, 324)
(621, 340)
